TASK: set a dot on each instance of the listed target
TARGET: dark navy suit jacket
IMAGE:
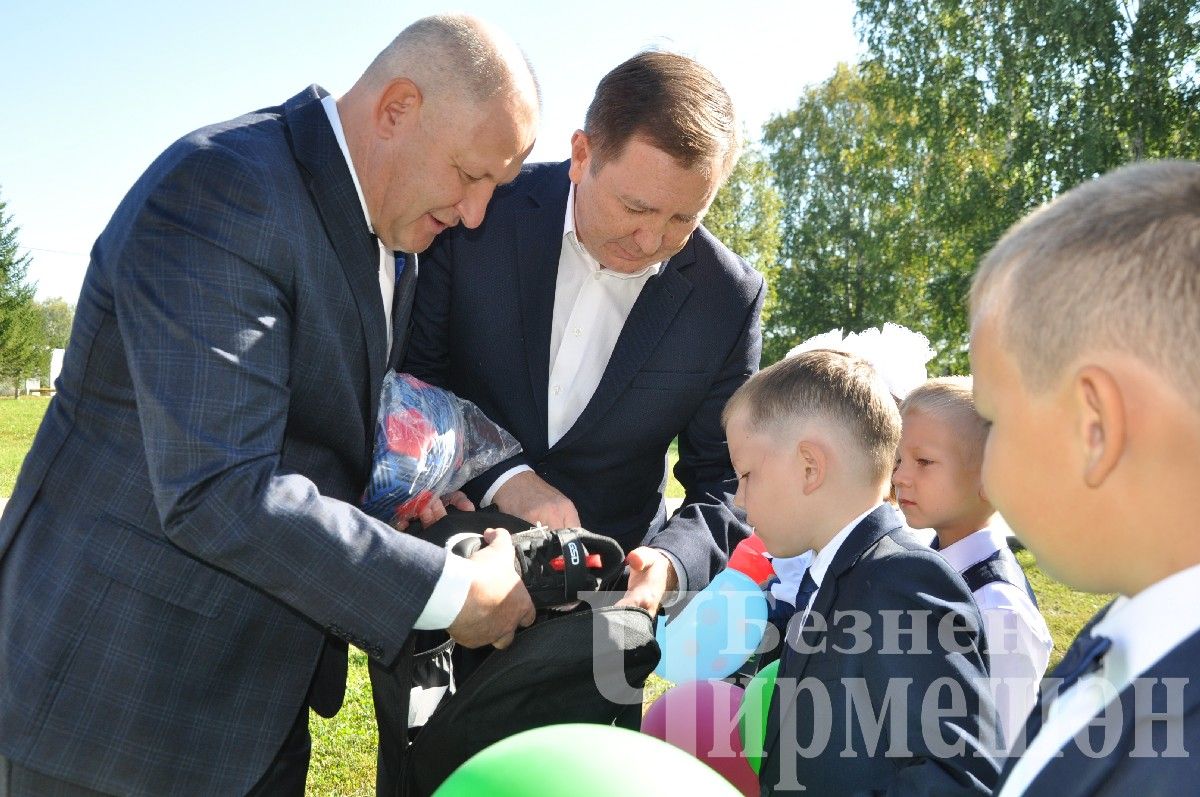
(1140, 753)
(481, 327)
(858, 701)
(182, 540)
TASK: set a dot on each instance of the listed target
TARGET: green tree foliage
(853, 255)
(1007, 103)
(21, 332)
(57, 317)
(1063, 89)
(898, 174)
(745, 216)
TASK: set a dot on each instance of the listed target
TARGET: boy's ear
(1101, 422)
(814, 465)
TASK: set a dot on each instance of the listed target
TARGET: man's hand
(497, 603)
(436, 510)
(531, 498)
(651, 575)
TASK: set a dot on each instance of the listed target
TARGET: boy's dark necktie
(805, 591)
(1083, 657)
(804, 594)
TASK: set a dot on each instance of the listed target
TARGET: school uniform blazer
(183, 538)
(1152, 746)
(481, 328)
(859, 721)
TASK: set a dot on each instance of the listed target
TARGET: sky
(95, 90)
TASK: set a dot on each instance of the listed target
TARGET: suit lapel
(651, 316)
(539, 245)
(1081, 773)
(869, 531)
(332, 188)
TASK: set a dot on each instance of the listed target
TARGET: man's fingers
(559, 515)
(637, 559)
(643, 599)
(568, 516)
(504, 641)
(497, 536)
(437, 511)
(458, 499)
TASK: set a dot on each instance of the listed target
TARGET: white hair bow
(897, 353)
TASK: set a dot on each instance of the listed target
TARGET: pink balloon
(701, 717)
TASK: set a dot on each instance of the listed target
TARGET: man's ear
(813, 460)
(398, 103)
(1101, 422)
(581, 155)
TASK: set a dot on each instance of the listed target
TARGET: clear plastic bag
(428, 442)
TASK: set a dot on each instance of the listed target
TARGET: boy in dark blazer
(1085, 325)
(882, 683)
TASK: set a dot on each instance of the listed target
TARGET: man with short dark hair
(183, 562)
(594, 318)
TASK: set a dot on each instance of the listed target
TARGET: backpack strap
(575, 571)
(1000, 566)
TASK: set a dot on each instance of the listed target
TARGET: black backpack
(584, 664)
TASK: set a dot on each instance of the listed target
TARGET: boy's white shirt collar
(1149, 625)
(974, 548)
(1143, 630)
(825, 556)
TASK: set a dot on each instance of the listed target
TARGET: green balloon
(755, 705)
(582, 760)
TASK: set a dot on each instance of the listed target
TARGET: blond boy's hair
(841, 388)
(1111, 264)
(949, 399)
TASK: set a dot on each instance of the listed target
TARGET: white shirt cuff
(448, 596)
(671, 598)
(490, 495)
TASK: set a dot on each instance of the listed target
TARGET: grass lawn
(674, 488)
(19, 419)
(343, 760)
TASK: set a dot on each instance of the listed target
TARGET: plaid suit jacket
(182, 547)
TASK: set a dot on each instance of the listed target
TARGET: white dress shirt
(1018, 640)
(387, 258)
(450, 592)
(591, 305)
(1143, 630)
(789, 570)
(823, 559)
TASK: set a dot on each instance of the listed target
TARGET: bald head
(448, 111)
(453, 57)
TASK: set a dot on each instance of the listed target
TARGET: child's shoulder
(902, 568)
(904, 547)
